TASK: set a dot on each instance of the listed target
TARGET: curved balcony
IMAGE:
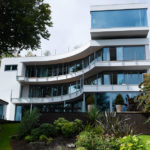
(78, 94)
(88, 71)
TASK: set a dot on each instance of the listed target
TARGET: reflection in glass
(119, 18)
(106, 79)
(119, 53)
(106, 56)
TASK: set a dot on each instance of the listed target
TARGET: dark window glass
(99, 55)
(112, 53)
(10, 67)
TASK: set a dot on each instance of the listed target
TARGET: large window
(104, 54)
(119, 18)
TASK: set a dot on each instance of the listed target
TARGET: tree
(30, 54)
(144, 97)
(23, 23)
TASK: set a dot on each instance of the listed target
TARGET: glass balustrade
(103, 78)
(106, 54)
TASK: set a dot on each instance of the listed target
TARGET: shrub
(44, 138)
(78, 125)
(59, 123)
(94, 115)
(114, 125)
(28, 122)
(28, 138)
(80, 148)
(48, 130)
(35, 133)
(131, 143)
(68, 129)
(119, 100)
(92, 141)
(88, 140)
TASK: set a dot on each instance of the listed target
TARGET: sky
(71, 24)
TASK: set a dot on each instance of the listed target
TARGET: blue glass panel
(120, 79)
(119, 18)
(18, 113)
(106, 79)
(119, 53)
(106, 55)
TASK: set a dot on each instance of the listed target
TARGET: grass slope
(146, 141)
(5, 135)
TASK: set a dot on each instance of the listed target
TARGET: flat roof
(3, 102)
(118, 6)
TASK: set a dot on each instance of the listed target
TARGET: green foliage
(94, 115)
(44, 129)
(28, 122)
(144, 97)
(44, 138)
(28, 138)
(23, 23)
(115, 125)
(78, 125)
(8, 130)
(68, 130)
(59, 123)
(48, 130)
(92, 141)
(131, 143)
(119, 100)
(80, 148)
(35, 133)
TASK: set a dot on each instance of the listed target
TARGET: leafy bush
(80, 148)
(119, 100)
(131, 143)
(94, 115)
(92, 141)
(114, 125)
(68, 130)
(44, 138)
(59, 123)
(88, 140)
(48, 130)
(28, 122)
(35, 133)
(28, 138)
(78, 125)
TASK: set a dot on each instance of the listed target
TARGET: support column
(31, 108)
(64, 106)
(83, 103)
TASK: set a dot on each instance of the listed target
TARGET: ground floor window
(1, 111)
(105, 100)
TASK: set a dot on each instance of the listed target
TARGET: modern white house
(112, 63)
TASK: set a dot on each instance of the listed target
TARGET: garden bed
(58, 143)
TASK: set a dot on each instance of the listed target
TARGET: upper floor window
(119, 18)
(10, 67)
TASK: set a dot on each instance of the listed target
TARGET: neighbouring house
(112, 63)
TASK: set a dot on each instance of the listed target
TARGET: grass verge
(7, 130)
(146, 141)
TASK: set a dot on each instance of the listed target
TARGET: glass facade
(105, 100)
(53, 90)
(105, 54)
(119, 18)
(116, 78)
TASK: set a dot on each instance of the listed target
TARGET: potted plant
(119, 102)
(90, 102)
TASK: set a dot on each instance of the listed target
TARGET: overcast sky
(71, 23)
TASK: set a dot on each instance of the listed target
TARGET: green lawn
(5, 135)
(146, 141)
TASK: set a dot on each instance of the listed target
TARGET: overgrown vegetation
(28, 122)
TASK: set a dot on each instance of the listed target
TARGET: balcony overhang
(134, 32)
